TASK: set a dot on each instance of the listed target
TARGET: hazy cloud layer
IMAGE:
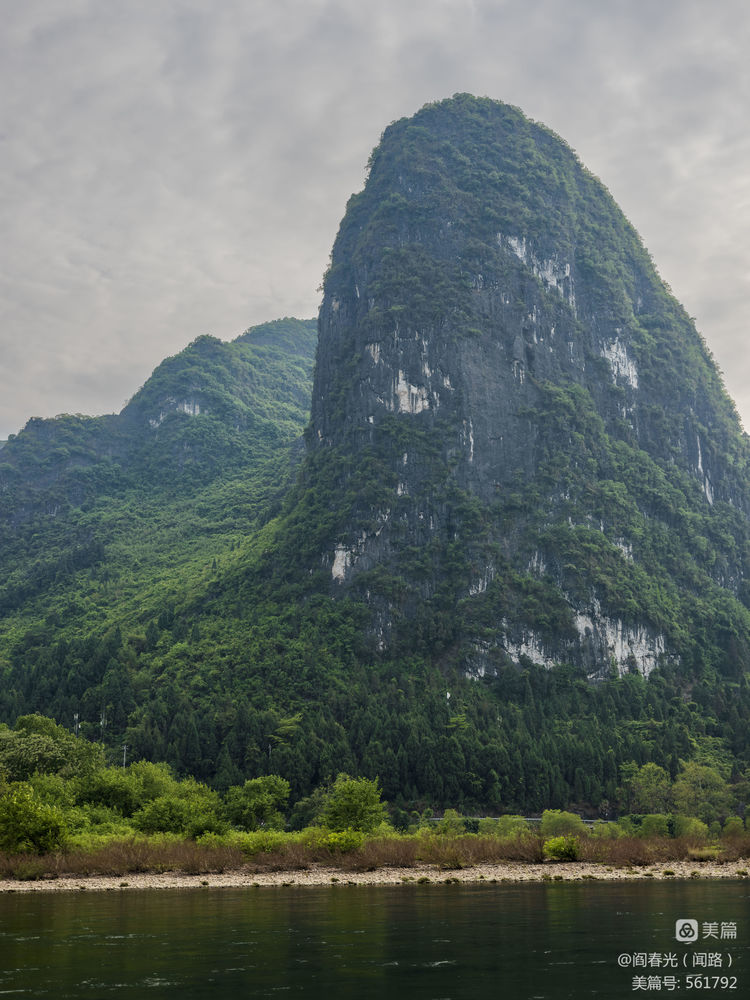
(177, 168)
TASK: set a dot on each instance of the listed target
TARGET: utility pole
(124, 753)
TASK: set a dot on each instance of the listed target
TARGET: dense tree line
(245, 706)
(57, 790)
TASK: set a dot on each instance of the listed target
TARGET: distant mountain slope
(97, 514)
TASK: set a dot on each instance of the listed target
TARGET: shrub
(343, 841)
(29, 871)
(607, 831)
(626, 826)
(689, 826)
(165, 814)
(261, 842)
(488, 827)
(451, 825)
(512, 826)
(390, 850)
(26, 824)
(97, 819)
(152, 779)
(733, 827)
(112, 787)
(53, 790)
(654, 825)
(708, 853)
(557, 822)
(561, 849)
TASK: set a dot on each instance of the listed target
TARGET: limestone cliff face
(531, 439)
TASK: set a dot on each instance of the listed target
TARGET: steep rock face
(534, 454)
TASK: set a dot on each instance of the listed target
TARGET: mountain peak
(532, 444)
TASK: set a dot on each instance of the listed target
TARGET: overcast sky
(178, 167)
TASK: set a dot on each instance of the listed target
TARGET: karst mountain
(493, 546)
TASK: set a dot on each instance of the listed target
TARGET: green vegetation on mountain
(506, 570)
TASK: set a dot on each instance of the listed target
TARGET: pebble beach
(319, 875)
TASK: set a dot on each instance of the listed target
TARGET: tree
(164, 814)
(353, 803)
(37, 745)
(258, 803)
(26, 824)
(701, 791)
(650, 790)
(558, 822)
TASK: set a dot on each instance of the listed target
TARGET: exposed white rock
(531, 645)
(468, 437)
(374, 351)
(517, 245)
(426, 371)
(537, 565)
(708, 490)
(480, 585)
(621, 364)
(188, 406)
(553, 273)
(611, 641)
(409, 398)
(625, 547)
(625, 644)
(342, 560)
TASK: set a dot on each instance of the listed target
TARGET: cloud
(180, 168)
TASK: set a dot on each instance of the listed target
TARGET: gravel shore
(320, 875)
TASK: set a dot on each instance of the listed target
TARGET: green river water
(540, 941)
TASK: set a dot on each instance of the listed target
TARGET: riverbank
(320, 875)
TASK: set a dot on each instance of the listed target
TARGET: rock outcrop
(533, 452)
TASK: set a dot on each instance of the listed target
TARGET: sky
(170, 168)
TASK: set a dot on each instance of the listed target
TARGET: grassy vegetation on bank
(353, 851)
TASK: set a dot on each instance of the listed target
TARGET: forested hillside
(506, 566)
(106, 523)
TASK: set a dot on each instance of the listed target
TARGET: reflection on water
(546, 941)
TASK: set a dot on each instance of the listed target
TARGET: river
(510, 942)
